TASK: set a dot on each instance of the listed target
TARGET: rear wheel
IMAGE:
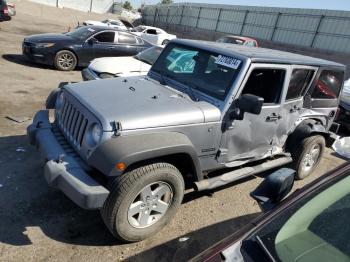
(307, 155)
(143, 201)
(65, 60)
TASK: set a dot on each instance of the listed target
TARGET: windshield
(230, 40)
(314, 229)
(82, 33)
(139, 28)
(150, 55)
(207, 72)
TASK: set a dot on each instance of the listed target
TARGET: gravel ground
(39, 223)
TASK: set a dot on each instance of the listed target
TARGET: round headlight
(96, 133)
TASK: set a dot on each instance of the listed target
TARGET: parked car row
(66, 55)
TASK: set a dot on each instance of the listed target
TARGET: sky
(315, 4)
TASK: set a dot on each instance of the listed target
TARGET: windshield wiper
(141, 59)
(161, 76)
(264, 248)
(190, 89)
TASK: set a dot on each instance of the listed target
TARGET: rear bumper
(88, 75)
(63, 171)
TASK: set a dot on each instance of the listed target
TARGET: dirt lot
(38, 223)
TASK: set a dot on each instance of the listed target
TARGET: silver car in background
(108, 67)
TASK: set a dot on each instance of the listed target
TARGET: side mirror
(92, 41)
(274, 188)
(247, 103)
(250, 103)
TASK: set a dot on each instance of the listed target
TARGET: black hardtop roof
(258, 54)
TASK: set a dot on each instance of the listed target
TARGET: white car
(154, 35)
(113, 23)
(108, 67)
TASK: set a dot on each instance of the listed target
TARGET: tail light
(6, 11)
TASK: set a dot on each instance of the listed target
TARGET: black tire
(65, 60)
(124, 192)
(165, 42)
(301, 153)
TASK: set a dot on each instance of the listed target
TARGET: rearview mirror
(274, 188)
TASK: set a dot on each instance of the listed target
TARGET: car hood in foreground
(118, 65)
(45, 38)
(138, 102)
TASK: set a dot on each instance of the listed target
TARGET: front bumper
(62, 170)
(88, 75)
(36, 55)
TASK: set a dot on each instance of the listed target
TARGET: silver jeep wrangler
(130, 146)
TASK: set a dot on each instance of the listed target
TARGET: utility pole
(91, 5)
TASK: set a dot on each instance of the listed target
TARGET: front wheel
(65, 60)
(307, 155)
(165, 42)
(142, 201)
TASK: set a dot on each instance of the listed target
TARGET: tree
(166, 2)
(127, 5)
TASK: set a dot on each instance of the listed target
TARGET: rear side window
(299, 81)
(328, 85)
(124, 38)
(266, 83)
(105, 37)
(152, 31)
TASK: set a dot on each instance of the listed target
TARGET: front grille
(68, 148)
(72, 123)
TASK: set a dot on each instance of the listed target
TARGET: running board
(232, 176)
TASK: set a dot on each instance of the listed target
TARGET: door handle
(294, 109)
(273, 117)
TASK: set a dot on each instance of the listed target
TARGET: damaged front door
(256, 135)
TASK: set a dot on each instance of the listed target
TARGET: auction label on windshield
(228, 61)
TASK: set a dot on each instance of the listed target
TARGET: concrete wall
(96, 6)
(320, 29)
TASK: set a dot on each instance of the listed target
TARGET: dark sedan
(310, 225)
(77, 48)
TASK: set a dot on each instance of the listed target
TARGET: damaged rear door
(256, 135)
(293, 99)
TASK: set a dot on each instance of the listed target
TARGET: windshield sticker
(91, 30)
(228, 61)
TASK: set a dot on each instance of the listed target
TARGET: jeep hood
(139, 102)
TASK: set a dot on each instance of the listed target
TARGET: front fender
(131, 149)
